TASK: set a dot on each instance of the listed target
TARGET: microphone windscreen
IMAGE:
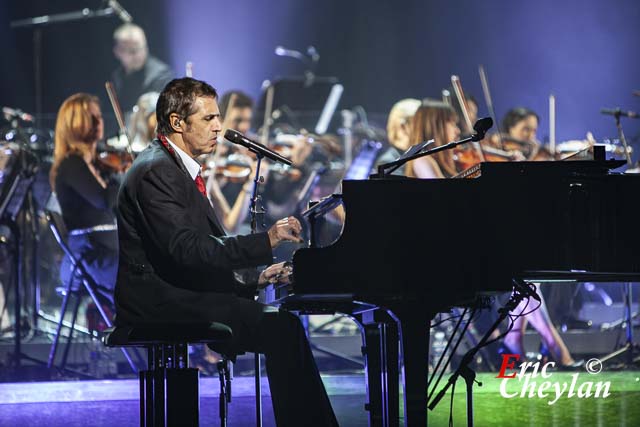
(483, 125)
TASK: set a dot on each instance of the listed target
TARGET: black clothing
(83, 201)
(85, 204)
(152, 77)
(176, 264)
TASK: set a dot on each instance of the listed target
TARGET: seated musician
(518, 133)
(236, 111)
(86, 194)
(438, 121)
(143, 121)
(398, 130)
(177, 264)
(521, 123)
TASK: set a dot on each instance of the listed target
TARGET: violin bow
(457, 88)
(113, 99)
(487, 98)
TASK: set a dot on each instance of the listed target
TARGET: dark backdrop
(585, 52)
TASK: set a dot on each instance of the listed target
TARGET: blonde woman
(398, 131)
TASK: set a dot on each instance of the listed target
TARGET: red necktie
(199, 181)
(200, 184)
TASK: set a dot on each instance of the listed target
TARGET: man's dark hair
(516, 115)
(179, 96)
(242, 101)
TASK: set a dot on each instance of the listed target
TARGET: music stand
(302, 102)
(37, 22)
(17, 199)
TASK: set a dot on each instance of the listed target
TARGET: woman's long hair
(429, 122)
(76, 130)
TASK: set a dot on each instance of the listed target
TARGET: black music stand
(17, 200)
(301, 101)
(37, 22)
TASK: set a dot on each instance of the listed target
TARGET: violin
(464, 159)
(235, 167)
(114, 161)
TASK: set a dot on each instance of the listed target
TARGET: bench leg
(225, 390)
(169, 397)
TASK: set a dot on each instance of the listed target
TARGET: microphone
(313, 53)
(17, 114)
(481, 127)
(281, 51)
(120, 11)
(620, 113)
(238, 138)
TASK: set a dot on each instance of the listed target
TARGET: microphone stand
(623, 140)
(520, 291)
(254, 210)
(629, 348)
(388, 168)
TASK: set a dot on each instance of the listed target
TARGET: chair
(57, 226)
(169, 394)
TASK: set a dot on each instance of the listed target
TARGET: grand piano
(411, 248)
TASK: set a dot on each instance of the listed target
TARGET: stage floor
(115, 402)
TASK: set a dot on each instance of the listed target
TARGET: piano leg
(380, 349)
(414, 341)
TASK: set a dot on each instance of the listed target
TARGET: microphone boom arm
(480, 127)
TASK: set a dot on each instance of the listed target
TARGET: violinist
(438, 121)
(518, 132)
(86, 193)
(521, 124)
(236, 111)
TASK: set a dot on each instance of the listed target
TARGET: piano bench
(169, 388)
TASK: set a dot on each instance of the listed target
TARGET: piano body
(415, 247)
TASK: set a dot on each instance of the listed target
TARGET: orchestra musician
(518, 129)
(521, 123)
(138, 72)
(438, 121)
(177, 264)
(236, 111)
(86, 194)
(143, 121)
(398, 131)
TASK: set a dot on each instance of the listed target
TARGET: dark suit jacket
(176, 264)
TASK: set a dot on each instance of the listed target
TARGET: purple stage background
(584, 52)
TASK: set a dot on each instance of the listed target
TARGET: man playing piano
(176, 264)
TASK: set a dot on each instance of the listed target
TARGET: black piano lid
(549, 168)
